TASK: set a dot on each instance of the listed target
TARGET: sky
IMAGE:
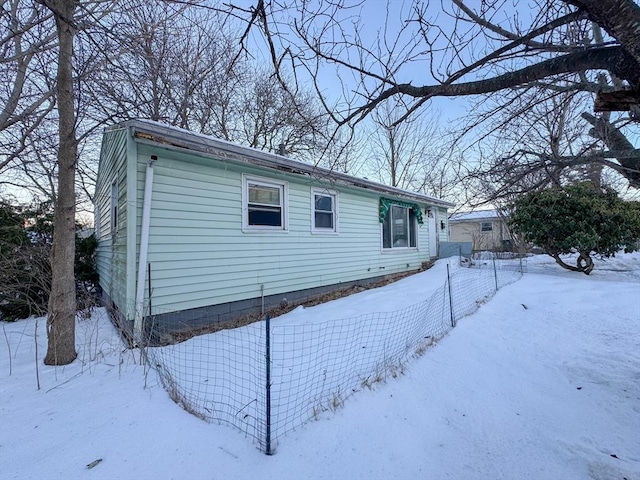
(376, 19)
(337, 82)
(541, 382)
(371, 16)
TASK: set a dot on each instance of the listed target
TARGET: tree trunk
(62, 302)
(620, 18)
(616, 141)
(584, 264)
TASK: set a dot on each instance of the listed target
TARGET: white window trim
(318, 230)
(396, 250)
(267, 182)
(482, 224)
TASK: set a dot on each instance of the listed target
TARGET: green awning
(385, 206)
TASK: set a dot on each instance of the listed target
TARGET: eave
(174, 138)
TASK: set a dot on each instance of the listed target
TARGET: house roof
(150, 132)
(477, 216)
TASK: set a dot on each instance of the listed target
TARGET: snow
(473, 216)
(542, 382)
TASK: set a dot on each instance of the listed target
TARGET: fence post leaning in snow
(268, 385)
(495, 272)
(453, 322)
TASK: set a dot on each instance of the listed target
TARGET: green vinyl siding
(200, 256)
(111, 256)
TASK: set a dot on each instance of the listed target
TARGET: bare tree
(547, 145)
(61, 319)
(29, 131)
(27, 97)
(180, 66)
(462, 51)
(538, 137)
(38, 127)
(415, 154)
(56, 100)
(399, 150)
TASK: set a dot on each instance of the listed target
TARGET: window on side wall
(486, 227)
(264, 204)
(96, 220)
(114, 208)
(324, 211)
(399, 228)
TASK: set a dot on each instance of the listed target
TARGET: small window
(399, 228)
(486, 227)
(114, 207)
(97, 231)
(264, 204)
(324, 208)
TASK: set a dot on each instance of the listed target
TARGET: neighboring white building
(485, 229)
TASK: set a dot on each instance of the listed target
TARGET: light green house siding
(198, 253)
(111, 254)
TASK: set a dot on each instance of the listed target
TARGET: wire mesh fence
(269, 379)
(218, 377)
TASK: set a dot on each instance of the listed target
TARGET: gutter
(144, 248)
(174, 138)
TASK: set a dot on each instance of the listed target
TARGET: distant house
(485, 229)
(196, 227)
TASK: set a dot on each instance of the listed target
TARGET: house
(485, 229)
(198, 229)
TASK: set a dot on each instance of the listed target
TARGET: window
(486, 227)
(97, 231)
(324, 208)
(264, 204)
(399, 228)
(114, 207)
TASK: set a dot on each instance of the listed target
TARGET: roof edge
(148, 131)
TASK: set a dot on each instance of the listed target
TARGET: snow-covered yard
(543, 382)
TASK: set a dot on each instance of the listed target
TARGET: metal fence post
(495, 272)
(453, 321)
(268, 386)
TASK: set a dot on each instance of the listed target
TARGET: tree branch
(613, 59)
(615, 140)
(621, 20)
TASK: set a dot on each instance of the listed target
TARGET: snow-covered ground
(542, 382)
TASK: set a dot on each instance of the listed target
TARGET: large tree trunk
(620, 18)
(62, 302)
(616, 141)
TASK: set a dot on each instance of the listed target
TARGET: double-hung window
(264, 204)
(324, 211)
(486, 227)
(399, 228)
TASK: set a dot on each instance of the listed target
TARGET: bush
(25, 266)
(578, 219)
